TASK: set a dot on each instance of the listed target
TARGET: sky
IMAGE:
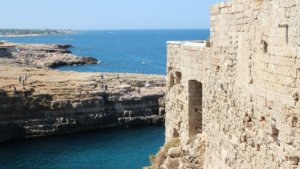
(105, 14)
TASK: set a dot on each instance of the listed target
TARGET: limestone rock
(37, 102)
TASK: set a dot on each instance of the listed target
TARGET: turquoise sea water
(118, 148)
(134, 51)
(142, 51)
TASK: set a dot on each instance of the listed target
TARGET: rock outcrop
(233, 103)
(47, 56)
(37, 102)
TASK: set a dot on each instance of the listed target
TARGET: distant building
(6, 49)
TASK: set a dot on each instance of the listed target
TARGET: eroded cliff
(38, 102)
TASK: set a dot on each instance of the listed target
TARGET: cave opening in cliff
(195, 107)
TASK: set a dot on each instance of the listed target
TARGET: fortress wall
(254, 121)
(241, 94)
(186, 62)
(186, 75)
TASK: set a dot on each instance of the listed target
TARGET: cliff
(39, 102)
(233, 102)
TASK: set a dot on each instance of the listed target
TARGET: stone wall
(240, 93)
(184, 72)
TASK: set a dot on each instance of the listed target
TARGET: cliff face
(37, 102)
(234, 102)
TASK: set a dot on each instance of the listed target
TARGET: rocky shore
(37, 102)
(45, 56)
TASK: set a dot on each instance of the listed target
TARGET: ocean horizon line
(142, 29)
(133, 29)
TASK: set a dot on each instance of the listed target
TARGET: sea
(129, 51)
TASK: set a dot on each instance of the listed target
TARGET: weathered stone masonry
(238, 94)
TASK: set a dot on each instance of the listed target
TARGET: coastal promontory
(43, 55)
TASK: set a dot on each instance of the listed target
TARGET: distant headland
(34, 32)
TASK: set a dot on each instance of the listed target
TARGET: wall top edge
(196, 43)
(222, 5)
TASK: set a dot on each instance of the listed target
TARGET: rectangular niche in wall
(286, 27)
(178, 77)
(195, 107)
(171, 81)
(265, 45)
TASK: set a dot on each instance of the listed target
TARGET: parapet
(194, 43)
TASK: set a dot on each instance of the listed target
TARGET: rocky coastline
(36, 101)
(33, 32)
(46, 56)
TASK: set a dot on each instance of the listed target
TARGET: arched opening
(195, 107)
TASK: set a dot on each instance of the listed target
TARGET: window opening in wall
(275, 134)
(287, 34)
(178, 77)
(286, 26)
(257, 147)
(175, 133)
(294, 122)
(195, 107)
(265, 47)
(172, 81)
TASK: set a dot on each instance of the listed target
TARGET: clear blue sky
(105, 14)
